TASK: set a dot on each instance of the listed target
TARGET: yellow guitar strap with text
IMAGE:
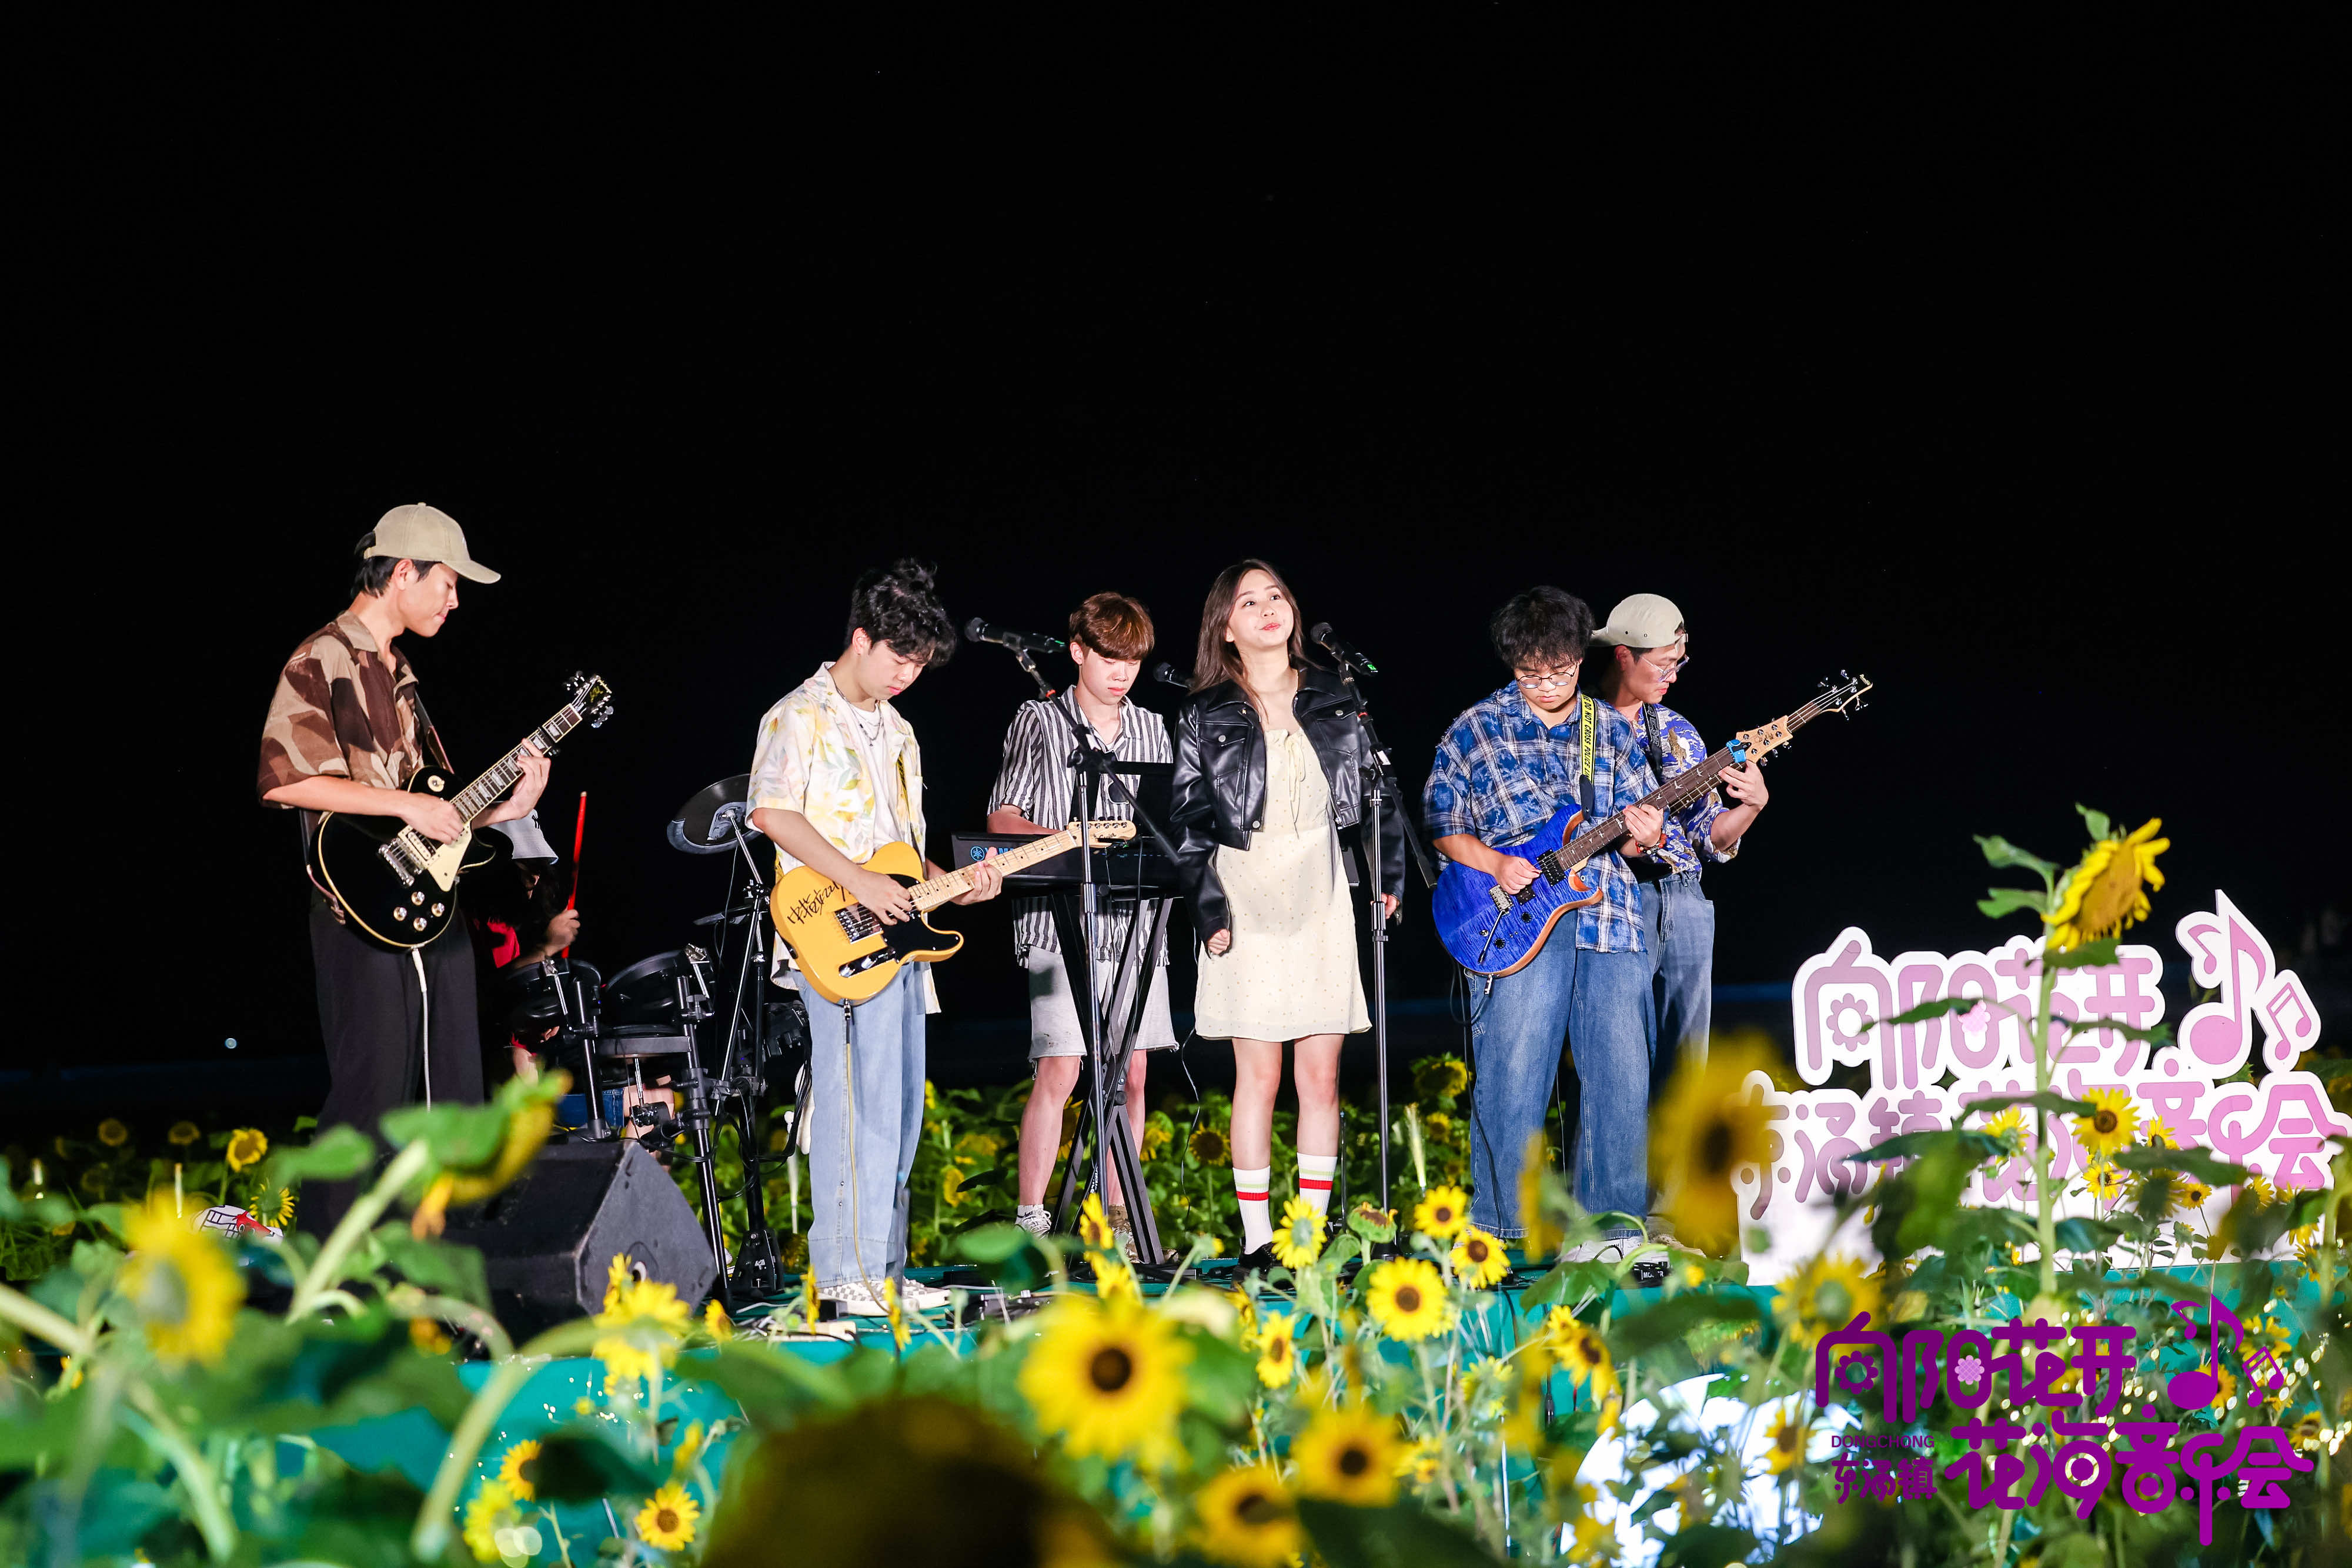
(1584, 753)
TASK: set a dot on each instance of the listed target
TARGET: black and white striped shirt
(1036, 781)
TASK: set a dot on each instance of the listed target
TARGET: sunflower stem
(325, 1270)
(431, 1532)
(196, 1477)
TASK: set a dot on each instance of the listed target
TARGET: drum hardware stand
(1381, 788)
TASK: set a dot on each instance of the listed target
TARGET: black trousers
(372, 1017)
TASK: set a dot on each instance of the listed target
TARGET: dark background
(2014, 386)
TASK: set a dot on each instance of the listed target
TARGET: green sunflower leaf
(2001, 901)
(2089, 956)
(1999, 851)
(2097, 821)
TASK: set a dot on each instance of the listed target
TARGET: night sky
(2014, 401)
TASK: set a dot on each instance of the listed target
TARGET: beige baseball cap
(1644, 620)
(419, 532)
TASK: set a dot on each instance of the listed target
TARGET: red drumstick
(579, 835)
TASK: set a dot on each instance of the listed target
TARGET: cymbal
(705, 824)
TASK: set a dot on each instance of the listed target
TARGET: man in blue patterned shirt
(1638, 657)
(1503, 770)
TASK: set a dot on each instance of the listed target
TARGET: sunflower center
(1353, 1462)
(1111, 1369)
(1787, 1437)
(164, 1294)
(1408, 1298)
(2110, 897)
(666, 1520)
(1279, 1349)
(1715, 1147)
(2104, 1121)
(1257, 1509)
(1477, 1251)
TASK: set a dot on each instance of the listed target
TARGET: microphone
(1164, 670)
(1339, 648)
(978, 630)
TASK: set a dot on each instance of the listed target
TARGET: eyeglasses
(1556, 681)
(1674, 669)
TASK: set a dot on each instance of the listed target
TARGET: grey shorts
(1054, 1015)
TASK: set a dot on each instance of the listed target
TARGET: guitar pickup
(857, 922)
(1549, 863)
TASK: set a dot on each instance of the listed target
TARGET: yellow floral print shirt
(810, 759)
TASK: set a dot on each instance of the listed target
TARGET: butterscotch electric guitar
(844, 951)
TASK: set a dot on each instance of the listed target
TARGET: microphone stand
(1380, 786)
(1091, 767)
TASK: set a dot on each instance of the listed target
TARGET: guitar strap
(1584, 753)
(1650, 733)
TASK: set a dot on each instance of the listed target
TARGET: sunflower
(1094, 1226)
(715, 1320)
(429, 1336)
(1478, 1260)
(2110, 1125)
(1209, 1146)
(1441, 1213)
(482, 1516)
(1825, 1294)
(1708, 1126)
(2103, 1181)
(1299, 1241)
(279, 1212)
(642, 1321)
(1348, 1455)
(1407, 1299)
(1439, 1077)
(2010, 1124)
(1486, 1385)
(1115, 1281)
(2191, 1196)
(1245, 1312)
(2310, 1430)
(2258, 1189)
(2160, 1136)
(2224, 1391)
(1158, 1133)
(1581, 1351)
(113, 1133)
(1544, 1234)
(1789, 1439)
(182, 1134)
(668, 1519)
(246, 1146)
(529, 1118)
(1109, 1378)
(1277, 1349)
(514, 1469)
(2104, 892)
(2307, 1244)
(1419, 1463)
(181, 1281)
(1247, 1519)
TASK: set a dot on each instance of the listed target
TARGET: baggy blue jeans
(1678, 927)
(1601, 1001)
(862, 1145)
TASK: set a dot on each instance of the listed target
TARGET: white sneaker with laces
(853, 1298)
(918, 1297)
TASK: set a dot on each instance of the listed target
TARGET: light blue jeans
(1678, 926)
(1601, 1002)
(862, 1145)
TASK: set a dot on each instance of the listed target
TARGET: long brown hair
(1217, 659)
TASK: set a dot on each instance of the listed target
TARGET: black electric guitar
(398, 887)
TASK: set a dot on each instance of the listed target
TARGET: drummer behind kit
(844, 951)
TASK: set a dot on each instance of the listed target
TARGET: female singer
(1270, 768)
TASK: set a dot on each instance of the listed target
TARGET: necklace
(873, 736)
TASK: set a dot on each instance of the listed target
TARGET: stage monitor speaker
(547, 1241)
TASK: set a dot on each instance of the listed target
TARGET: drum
(625, 1040)
(534, 1003)
(646, 991)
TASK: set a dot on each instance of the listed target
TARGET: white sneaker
(853, 1298)
(916, 1297)
(1608, 1249)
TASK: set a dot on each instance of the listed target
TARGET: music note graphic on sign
(2225, 951)
(2288, 1018)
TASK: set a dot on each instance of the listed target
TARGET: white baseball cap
(1642, 620)
(419, 532)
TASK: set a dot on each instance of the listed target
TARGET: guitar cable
(424, 1022)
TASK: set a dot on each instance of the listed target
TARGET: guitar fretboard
(1685, 785)
(477, 796)
(954, 885)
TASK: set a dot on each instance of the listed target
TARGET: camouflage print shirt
(345, 709)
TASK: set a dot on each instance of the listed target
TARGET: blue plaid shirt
(1690, 826)
(1503, 770)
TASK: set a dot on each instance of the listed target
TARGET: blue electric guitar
(1490, 932)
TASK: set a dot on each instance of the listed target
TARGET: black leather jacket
(1219, 793)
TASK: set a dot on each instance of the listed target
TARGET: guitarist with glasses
(836, 776)
(346, 730)
(1638, 657)
(1501, 773)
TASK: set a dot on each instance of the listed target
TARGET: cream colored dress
(1291, 971)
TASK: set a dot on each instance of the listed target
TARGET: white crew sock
(1315, 1180)
(1250, 1188)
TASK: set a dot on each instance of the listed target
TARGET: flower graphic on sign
(1968, 1370)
